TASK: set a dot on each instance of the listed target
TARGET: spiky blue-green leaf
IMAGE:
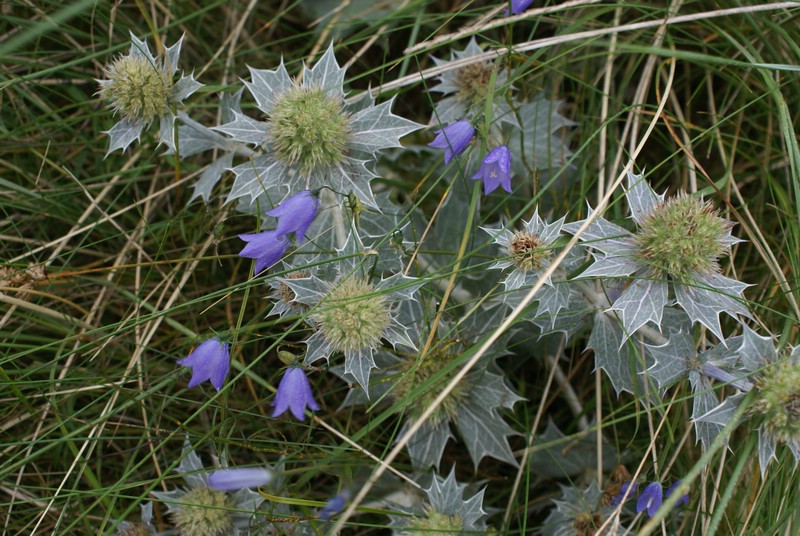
(568, 457)
(482, 428)
(612, 354)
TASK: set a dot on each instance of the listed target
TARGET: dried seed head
(587, 523)
(528, 251)
(682, 236)
(472, 82)
(285, 293)
(137, 89)
(204, 513)
(310, 129)
(353, 316)
(135, 530)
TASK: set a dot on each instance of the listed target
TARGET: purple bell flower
(627, 488)
(334, 505)
(266, 248)
(294, 393)
(671, 489)
(495, 170)
(295, 214)
(209, 361)
(240, 478)
(650, 499)
(453, 139)
(518, 6)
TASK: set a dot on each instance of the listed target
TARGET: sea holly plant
(413, 381)
(312, 137)
(677, 246)
(525, 254)
(140, 89)
(351, 311)
(201, 509)
(467, 88)
(678, 359)
(772, 377)
(580, 512)
(445, 510)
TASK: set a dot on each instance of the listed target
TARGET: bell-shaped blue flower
(266, 248)
(650, 499)
(294, 393)
(518, 6)
(495, 170)
(240, 478)
(683, 500)
(209, 361)
(453, 138)
(626, 492)
(295, 214)
(334, 505)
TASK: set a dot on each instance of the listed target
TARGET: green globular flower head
(528, 251)
(137, 88)
(778, 403)
(682, 236)
(309, 128)
(436, 522)
(204, 513)
(353, 316)
(418, 372)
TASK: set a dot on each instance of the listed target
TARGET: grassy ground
(109, 275)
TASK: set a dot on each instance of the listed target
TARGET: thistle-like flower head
(202, 510)
(415, 381)
(579, 512)
(294, 393)
(453, 138)
(773, 377)
(209, 361)
(467, 88)
(312, 136)
(777, 404)
(140, 89)
(352, 312)
(678, 242)
(526, 253)
(495, 170)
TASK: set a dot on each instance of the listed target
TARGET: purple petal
(453, 138)
(240, 478)
(495, 170)
(682, 500)
(518, 6)
(209, 361)
(334, 505)
(295, 214)
(626, 491)
(266, 248)
(650, 499)
(294, 393)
